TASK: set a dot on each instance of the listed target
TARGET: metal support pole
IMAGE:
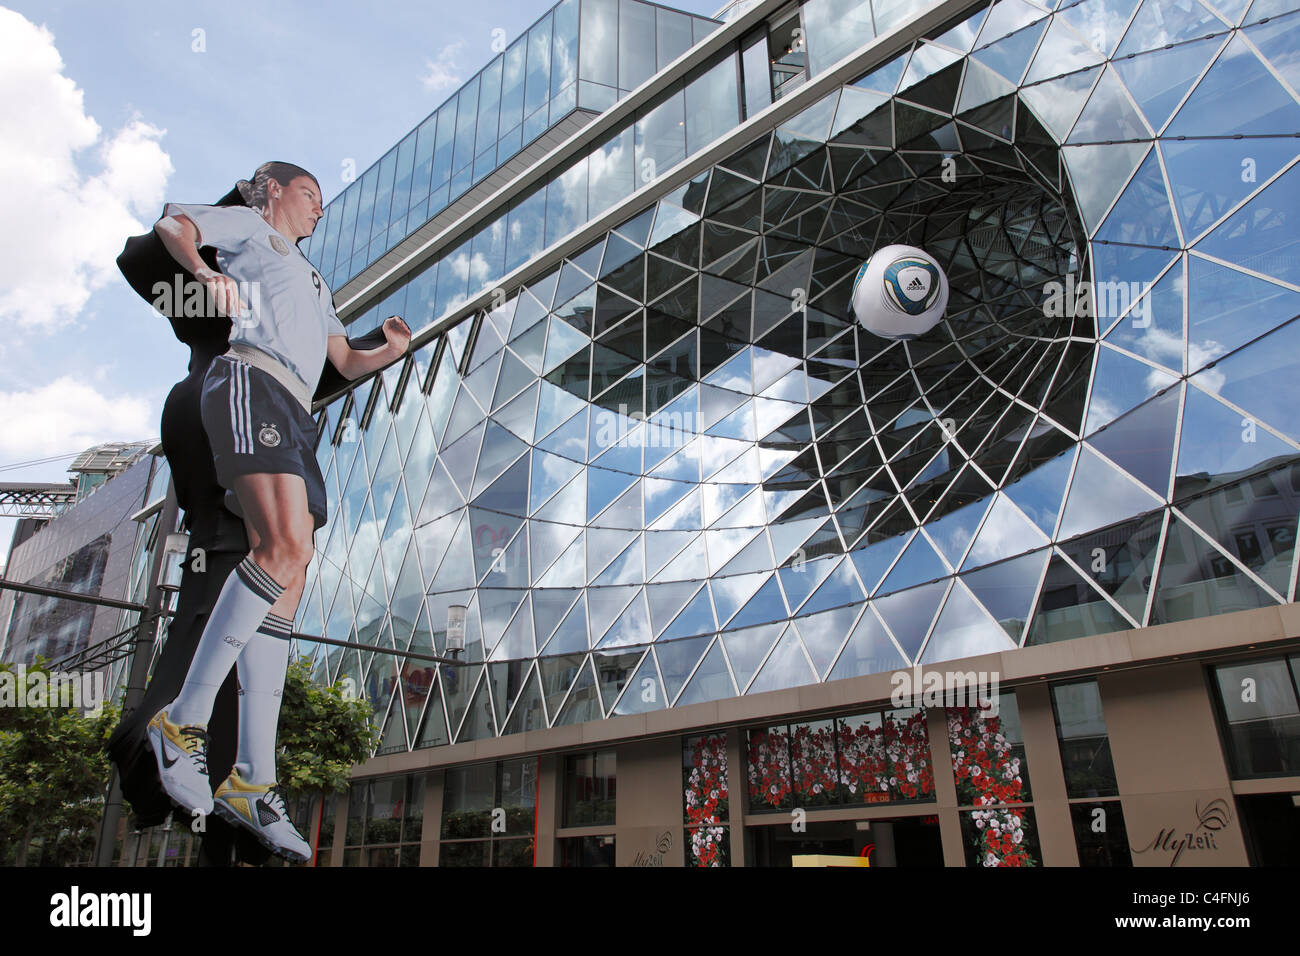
(141, 656)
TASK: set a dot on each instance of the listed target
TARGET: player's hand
(397, 334)
(224, 291)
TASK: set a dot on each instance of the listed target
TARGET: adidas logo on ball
(899, 293)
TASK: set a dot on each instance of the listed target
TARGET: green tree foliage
(322, 735)
(53, 774)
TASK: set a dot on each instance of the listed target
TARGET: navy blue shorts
(255, 426)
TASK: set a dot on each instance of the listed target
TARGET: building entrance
(898, 842)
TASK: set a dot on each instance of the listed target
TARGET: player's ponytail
(255, 192)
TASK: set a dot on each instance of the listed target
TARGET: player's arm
(180, 236)
(354, 363)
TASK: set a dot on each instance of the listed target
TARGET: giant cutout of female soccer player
(255, 410)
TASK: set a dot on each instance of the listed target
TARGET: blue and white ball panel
(899, 293)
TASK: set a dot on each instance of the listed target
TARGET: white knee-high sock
(245, 600)
(262, 667)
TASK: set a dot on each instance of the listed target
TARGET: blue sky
(109, 109)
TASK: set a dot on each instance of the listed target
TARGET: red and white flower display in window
(888, 761)
(769, 768)
(988, 772)
(812, 755)
(706, 800)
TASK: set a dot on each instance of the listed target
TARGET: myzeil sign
(1210, 819)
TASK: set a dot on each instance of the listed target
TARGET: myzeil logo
(76, 909)
(85, 690)
(933, 688)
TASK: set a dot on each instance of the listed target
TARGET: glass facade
(583, 54)
(672, 469)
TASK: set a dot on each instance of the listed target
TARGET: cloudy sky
(109, 109)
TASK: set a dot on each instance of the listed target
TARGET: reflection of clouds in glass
(1004, 533)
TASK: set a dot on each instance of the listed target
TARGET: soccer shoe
(182, 755)
(261, 811)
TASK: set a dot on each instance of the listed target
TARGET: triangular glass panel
(1142, 215)
(1007, 590)
(1072, 607)
(919, 563)
(1038, 494)
(1159, 79)
(583, 704)
(558, 675)
(632, 626)
(613, 671)
(1121, 383)
(645, 691)
(1120, 560)
(1218, 446)
(1251, 235)
(1266, 550)
(840, 588)
(1261, 379)
(529, 712)
(1160, 24)
(1278, 41)
(868, 651)
(520, 414)
(1142, 441)
(747, 648)
(909, 614)
(1057, 103)
(711, 681)
(824, 634)
(787, 666)
(1089, 507)
(697, 618)
(1197, 580)
(1062, 51)
(1153, 328)
(1229, 308)
(1097, 172)
(964, 630)
(1010, 55)
(1211, 176)
(433, 733)
(677, 659)
(953, 532)
(571, 635)
(1238, 96)
(763, 608)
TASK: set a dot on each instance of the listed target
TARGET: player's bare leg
(280, 531)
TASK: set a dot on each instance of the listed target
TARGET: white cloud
(442, 74)
(76, 222)
(68, 415)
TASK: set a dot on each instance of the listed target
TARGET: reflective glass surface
(673, 468)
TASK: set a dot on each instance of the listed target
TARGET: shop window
(705, 799)
(1085, 746)
(1260, 714)
(881, 757)
(590, 789)
(587, 851)
(992, 775)
(489, 813)
(385, 822)
(1099, 834)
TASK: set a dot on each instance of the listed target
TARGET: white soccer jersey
(291, 309)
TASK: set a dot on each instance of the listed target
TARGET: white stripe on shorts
(234, 417)
(248, 409)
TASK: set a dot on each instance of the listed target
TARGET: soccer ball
(899, 293)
